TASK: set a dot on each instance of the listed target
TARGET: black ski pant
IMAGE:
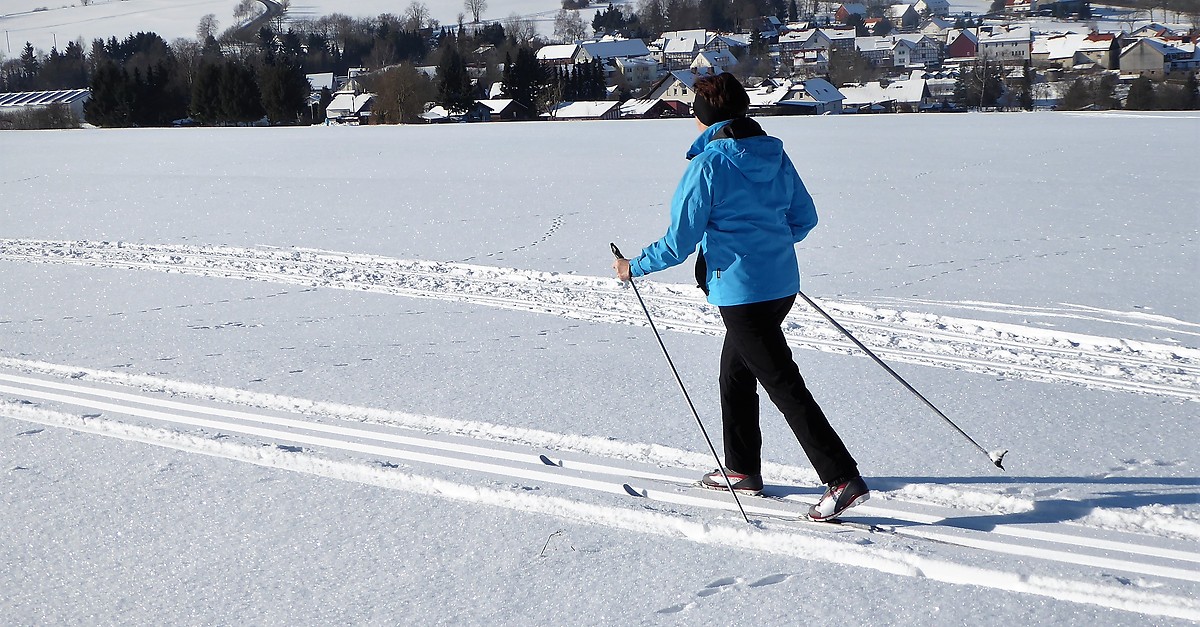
(756, 351)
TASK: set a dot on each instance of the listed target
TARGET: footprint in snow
(675, 609)
(719, 585)
(770, 580)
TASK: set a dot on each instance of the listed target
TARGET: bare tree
(416, 16)
(568, 26)
(400, 94)
(521, 29)
(207, 27)
(475, 8)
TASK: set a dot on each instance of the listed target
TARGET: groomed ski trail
(412, 457)
(998, 349)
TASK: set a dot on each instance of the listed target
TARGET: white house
(638, 71)
(677, 86)
(611, 48)
(907, 94)
(709, 60)
(1006, 45)
(558, 54)
(933, 7)
(350, 104)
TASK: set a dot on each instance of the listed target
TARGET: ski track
(503, 469)
(997, 349)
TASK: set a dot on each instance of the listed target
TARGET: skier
(743, 203)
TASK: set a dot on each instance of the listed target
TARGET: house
(706, 61)
(558, 55)
(1021, 7)
(350, 105)
(899, 96)
(933, 7)
(1157, 58)
(73, 99)
(850, 8)
(814, 96)
(639, 72)
(903, 16)
(648, 109)
(611, 48)
(317, 82)
(921, 50)
(810, 63)
(679, 52)
(501, 109)
(733, 43)
(936, 27)
(1073, 50)
(677, 86)
(962, 44)
(1006, 44)
(585, 110)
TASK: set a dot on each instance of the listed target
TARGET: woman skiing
(742, 201)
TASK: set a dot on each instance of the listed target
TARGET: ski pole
(617, 253)
(996, 456)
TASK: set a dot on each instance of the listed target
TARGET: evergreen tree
(454, 84)
(31, 68)
(284, 89)
(206, 92)
(109, 104)
(239, 96)
(1141, 95)
(524, 80)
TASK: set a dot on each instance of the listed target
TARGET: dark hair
(723, 97)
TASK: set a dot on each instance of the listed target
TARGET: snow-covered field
(46, 23)
(306, 375)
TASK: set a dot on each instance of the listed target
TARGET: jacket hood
(759, 158)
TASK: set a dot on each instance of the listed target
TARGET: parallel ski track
(1070, 544)
(1173, 373)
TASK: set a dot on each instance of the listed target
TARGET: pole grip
(616, 251)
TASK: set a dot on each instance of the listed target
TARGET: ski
(766, 507)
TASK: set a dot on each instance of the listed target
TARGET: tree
(979, 84)
(522, 30)
(453, 82)
(475, 8)
(1141, 95)
(205, 107)
(997, 6)
(569, 26)
(109, 104)
(240, 100)
(207, 27)
(416, 16)
(400, 94)
(524, 79)
(284, 89)
(882, 28)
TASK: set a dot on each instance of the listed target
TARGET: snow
(216, 346)
(46, 23)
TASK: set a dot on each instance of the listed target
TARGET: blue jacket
(744, 204)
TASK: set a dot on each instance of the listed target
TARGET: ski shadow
(1171, 491)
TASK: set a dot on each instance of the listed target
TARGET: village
(921, 65)
(851, 58)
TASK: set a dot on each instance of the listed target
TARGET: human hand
(621, 266)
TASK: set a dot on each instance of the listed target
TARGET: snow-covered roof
(714, 58)
(496, 105)
(681, 46)
(557, 52)
(907, 91)
(897, 11)
(636, 108)
(322, 80)
(42, 98)
(347, 103)
(583, 109)
(616, 48)
(821, 90)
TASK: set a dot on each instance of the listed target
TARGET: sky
(304, 375)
